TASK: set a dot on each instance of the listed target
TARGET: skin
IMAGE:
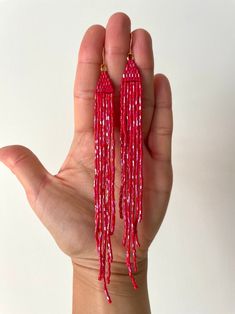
(64, 202)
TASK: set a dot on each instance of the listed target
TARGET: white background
(192, 260)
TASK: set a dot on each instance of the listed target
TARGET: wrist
(88, 292)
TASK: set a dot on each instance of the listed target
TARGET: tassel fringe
(104, 176)
(130, 198)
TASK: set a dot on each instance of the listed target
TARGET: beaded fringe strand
(104, 175)
(130, 198)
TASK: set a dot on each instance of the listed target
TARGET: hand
(64, 202)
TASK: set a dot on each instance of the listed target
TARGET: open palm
(65, 202)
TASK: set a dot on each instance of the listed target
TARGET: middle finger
(117, 44)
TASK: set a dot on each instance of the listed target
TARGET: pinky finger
(159, 138)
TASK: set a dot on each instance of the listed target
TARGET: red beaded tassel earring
(130, 198)
(104, 174)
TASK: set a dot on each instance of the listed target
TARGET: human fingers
(160, 134)
(117, 44)
(88, 69)
(143, 55)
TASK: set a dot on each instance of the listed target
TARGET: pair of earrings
(131, 149)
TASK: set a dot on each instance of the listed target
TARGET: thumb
(27, 168)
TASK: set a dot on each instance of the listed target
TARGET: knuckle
(162, 131)
(84, 94)
(115, 50)
(19, 159)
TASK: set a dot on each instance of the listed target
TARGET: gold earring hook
(130, 55)
(103, 66)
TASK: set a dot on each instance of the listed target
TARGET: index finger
(88, 69)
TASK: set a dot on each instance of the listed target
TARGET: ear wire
(130, 55)
(103, 66)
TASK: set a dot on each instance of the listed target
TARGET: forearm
(89, 297)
